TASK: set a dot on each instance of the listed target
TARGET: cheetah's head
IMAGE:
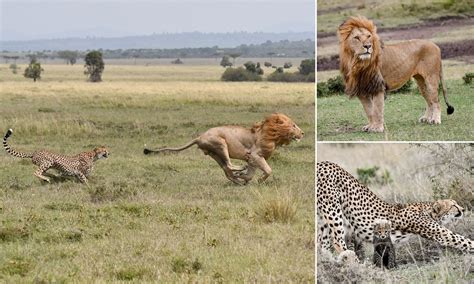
(101, 153)
(446, 211)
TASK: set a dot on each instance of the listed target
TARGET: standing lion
(370, 69)
(253, 145)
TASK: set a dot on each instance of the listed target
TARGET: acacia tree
(94, 66)
(33, 71)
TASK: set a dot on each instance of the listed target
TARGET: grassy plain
(164, 218)
(416, 173)
(341, 119)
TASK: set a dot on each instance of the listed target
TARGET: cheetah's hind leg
(41, 170)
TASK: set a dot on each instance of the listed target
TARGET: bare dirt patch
(424, 30)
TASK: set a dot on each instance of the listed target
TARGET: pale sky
(35, 19)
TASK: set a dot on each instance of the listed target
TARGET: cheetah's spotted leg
(41, 170)
(81, 177)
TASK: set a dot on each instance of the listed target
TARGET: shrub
(239, 74)
(322, 90)
(336, 85)
(225, 62)
(371, 175)
(267, 64)
(333, 86)
(33, 71)
(468, 77)
(14, 68)
(307, 66)
(177, 61)
(287, 65)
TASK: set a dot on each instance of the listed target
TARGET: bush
(307, 66)
(322, 90)
(287, 65)
(267, 64)
(225, 62)
(290, 77)
(177, 61)
(468, 77)
(239, 74)
(371, 175)
(253, 68)
(336, 85)
(14, 68)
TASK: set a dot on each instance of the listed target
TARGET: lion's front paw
(373, 128)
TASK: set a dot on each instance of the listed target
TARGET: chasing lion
(253, 145)
(370, 69)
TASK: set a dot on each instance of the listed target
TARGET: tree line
(284, 48)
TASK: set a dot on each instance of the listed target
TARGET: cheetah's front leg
(81, 177)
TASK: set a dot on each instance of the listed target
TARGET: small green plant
(372, 176)
(468, 77)
(367, 175)
(181, 265)
(131, 273)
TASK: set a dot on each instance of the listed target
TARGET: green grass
(341, 119)
(169, 218)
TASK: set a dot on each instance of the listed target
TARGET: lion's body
(79, 165)
(349, 209)
(253, 145)
(370, 69)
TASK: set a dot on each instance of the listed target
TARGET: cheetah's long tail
(10, 150)
(191, 143)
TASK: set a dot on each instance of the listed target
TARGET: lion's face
(446, 211)
(296, 133)
(360, 42)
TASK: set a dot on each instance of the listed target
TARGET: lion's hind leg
(429, 90)
(227, 171)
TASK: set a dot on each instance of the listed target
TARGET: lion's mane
(273, 131)
(362, 77)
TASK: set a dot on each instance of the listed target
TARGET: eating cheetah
(384, 251)
(79, 165)
(348, 208)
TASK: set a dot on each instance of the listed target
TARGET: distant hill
(156, 41)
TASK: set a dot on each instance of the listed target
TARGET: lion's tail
(191, 143)
(450, 109)
(10, 150)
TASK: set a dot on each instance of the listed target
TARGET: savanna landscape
(447, 23)
(167, 218)
(403, 173)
